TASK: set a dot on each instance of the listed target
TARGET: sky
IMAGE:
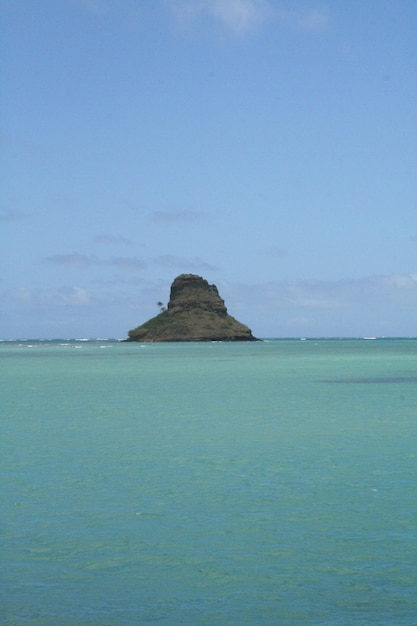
(269, 146)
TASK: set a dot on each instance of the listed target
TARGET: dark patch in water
(378, 380)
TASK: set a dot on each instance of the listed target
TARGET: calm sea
(210, 483)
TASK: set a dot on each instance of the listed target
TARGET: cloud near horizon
(274, 309)
(367, 306)
(62, 297)
(398, 290)
(346, 293)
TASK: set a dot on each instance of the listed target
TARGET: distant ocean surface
(210, 483)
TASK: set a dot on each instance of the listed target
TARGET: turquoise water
(262, 483)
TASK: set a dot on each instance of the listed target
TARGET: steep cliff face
(195, 312)
(190, 292)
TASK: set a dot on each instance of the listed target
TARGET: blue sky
(268, 146)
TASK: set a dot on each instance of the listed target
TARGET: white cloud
(62, 297)
(242, 16)
(237, 16)
(292, 295)
(97, 7)
(309, 295)
(314, 20)
(400, 281)
(371, 305)
(69, 296)
(341, 294)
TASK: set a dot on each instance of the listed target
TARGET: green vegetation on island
(195, 312)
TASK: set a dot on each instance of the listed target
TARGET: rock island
(195, 312)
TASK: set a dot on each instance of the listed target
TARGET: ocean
(209, 483)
